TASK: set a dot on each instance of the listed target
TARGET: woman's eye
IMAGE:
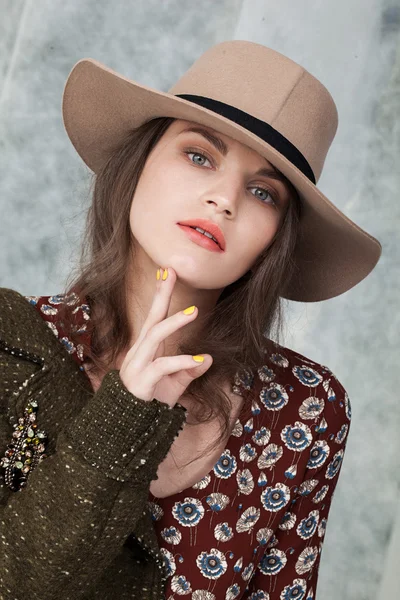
(270, 193)
(196, 153)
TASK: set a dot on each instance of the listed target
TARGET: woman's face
(187, 177)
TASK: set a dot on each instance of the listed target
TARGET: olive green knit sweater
(81, 527)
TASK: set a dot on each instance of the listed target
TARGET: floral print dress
(253, 527)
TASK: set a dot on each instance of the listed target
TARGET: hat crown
(270, 87)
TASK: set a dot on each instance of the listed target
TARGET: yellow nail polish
(158, 274)
(198, 358)
(165, 275)
(189, 310)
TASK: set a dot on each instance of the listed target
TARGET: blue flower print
(269, 456)
(238, 429)
(296, 437)
(318, 454)
(156, 511)
(232, 592)
(203, 483)
(319, 496)
(189, 512)
(272, 562)
(287, 522)
(212, 564)
(296, 590)
(171, 535)
(291, 472)
(311, 408)
(307, 526)
(306, 560)
(279, 359)
(307, 486)
(248, 426)
(263, 535)
(169, 562)
(255, 408)
(245, 481)
(222, 532)
(48, 310)
(322, 426)
(180, 585)
(275, 498)
(341, 434)
(57, 299)
(334, 465)
(307, 376)
(68, 345)
(274, 396)
(322, 527)
(247, 571)
(259, 595)
(347, 406)
(266, 374)
(247, 453)
(226, 465)
(248, 519)
(244, 380)
(32, 299)
(261, 436)
(217, 501)
(262, 480)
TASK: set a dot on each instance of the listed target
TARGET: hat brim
(332, 254)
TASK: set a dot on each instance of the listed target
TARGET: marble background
(353, 47)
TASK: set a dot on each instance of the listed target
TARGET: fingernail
(158, 274)
(189, 310)
(198, 358)
(165, 275)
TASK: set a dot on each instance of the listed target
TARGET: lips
(209, 227)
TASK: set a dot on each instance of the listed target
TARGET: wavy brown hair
(238, 330)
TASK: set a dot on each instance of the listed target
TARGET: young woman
(158, 440)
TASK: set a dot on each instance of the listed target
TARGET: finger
(159, 307)
(146, 351)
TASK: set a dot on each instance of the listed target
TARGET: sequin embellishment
(26, 451)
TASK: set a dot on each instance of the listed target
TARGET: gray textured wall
(354, 48)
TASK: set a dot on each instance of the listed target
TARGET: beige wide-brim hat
(260, 98)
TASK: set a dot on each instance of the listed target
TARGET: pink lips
(200, 239)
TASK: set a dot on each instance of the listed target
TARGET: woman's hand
(145, 371)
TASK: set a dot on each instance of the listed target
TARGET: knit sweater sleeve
(60, 532)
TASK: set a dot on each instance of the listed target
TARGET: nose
(226, 193)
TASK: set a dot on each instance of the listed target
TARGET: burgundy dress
(254, 526)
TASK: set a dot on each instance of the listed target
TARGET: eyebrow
(220, 145)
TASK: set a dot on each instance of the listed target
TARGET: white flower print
(156, 511)
(306, 560)
(171, 535)
(272, 562)
(248, 519)
(261, 436)
(203, 483)
(311, 407)
(245, 481)
(169, 561)
(247, 453)
(217, 501)
(212, 564)
(232, 592)
(180, 585)
(263, 535)
(189, 512)
(306, 487)
(202, 595)
(223, 532)
(238, 429)
(269, 456)
(279, 359)
(307, 376)
(247, 571)
(319, 496)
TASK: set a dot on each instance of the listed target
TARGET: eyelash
(271, 192)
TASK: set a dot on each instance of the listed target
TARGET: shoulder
(22, 326)
(293, 388)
